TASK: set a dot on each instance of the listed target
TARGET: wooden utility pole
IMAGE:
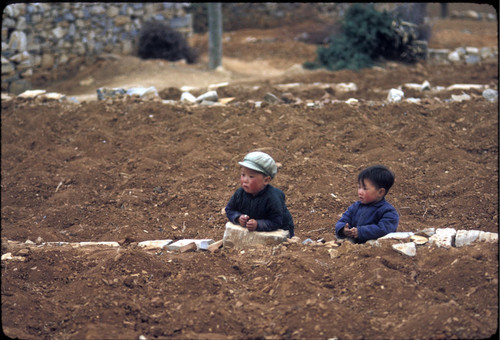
(214, 35)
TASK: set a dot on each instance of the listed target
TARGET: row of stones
(43, 36)
(240, 238)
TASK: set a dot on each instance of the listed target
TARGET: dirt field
(134, 170)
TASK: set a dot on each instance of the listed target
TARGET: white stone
(53, 96)
(395, 95)
(460, 98)
(413, 100)
(466, 237)
(154, 244)
(210, 96)
(216, 86)
(408, 249)
(18, 41)
(426, 86)
(200, 244)
(466, 87)
(9, 257)
(401, 235)
(346, 87)
(418, 239)
(454, 56)
(485, 236)
(427, 231)
(472, 50)
(352, 101)
(29, 94)
(108, 244)
(444, 237)
(188, 97)
(143, 92)
(239, 237)
(490, 95)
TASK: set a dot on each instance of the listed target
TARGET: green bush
(366, 36)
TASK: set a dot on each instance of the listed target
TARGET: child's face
(253, 181)
(368, 192)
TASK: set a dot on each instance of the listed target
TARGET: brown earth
(135, 170)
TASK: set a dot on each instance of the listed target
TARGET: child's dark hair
(379, 175)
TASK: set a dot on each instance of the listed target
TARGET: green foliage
(367, 35)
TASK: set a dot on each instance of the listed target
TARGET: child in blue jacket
(372, 216)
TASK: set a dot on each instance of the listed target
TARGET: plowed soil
(133, 170)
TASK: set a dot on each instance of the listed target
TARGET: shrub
(366, 36)
(159, 41)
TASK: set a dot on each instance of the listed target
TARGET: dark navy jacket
(267, 207)
(372, 220)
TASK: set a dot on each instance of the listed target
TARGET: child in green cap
(257, 205)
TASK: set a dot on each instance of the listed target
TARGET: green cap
(261, 162)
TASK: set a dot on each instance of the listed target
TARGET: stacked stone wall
(38, 37)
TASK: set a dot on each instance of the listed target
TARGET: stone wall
(39, 37)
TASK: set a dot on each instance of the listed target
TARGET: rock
(490, 95)
(407, 249)
(486, 52)
(188, 97)
(143, 92)
(307, 241)
(30, 94)
(208, 96)
(103, 93)
(345, 87)
(465, 87)
(200, 244)
(395, 96)
(466, 237)
(271, 98)
(240, 237)
(419, 240)
(92, 244)
(444, 237)
(472, 59)
(460, 98)
(39, 240)
(9, 257)
(485, 236)
(426, 232)
(454, 56)
(401, 235)
(215, 246)
(188, 247)
(352, 101)
(154, 244)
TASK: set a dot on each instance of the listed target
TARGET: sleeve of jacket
(346, 218)
(274, 214)
(388, 223)
(231, 212)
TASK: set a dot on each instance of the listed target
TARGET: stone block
(214, 246)
(485, 236)
(107, 244)
(397, 235)
(200, 244)
(154, 244)
(466, 237)
(408, 249)
(444, 237)
(239, 237)
(188, 247)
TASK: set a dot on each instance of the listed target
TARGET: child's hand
(243, 220)
(252, 225)
(350, 232)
